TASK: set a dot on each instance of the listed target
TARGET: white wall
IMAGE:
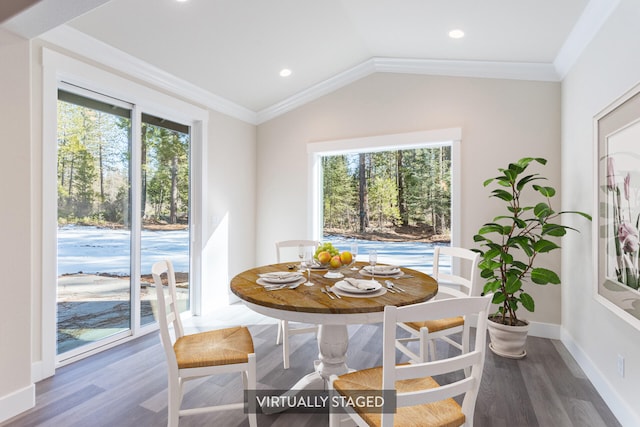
(231, 189)
(17, 392)
(607, 69)
(501, 121)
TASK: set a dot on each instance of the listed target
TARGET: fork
(391, 285)
(328, 288)
(324, 291)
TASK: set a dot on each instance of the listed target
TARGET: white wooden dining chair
(450, 285)
(420, 399)
(201, 354)
(285, 331)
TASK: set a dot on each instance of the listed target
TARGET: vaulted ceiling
(235, 49)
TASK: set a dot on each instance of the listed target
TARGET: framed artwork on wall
(617, 223)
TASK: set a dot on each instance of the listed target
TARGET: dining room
(256, 181)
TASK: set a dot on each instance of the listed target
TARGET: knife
(324, 291)
(328, 288)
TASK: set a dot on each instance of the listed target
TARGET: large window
(102, 244)
(396, 194)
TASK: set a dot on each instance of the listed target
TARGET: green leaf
(527, 179)
(582, 214)
(556, 230)
(498, 298)
(527, 301)
(492, 253)
(520, 265)
(543, 246)
(488, 181)
(513, 285)
(545, 191)
(478, 238)
(542, 276)
(502, 194)
(491, 286)
(542, 210)
(490, 228)
(506, 257)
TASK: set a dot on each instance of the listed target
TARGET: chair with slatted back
(201, 354)
(453, 285)
(284, 328)
(421, 400)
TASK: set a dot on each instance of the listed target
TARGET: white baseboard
(536, 329)
(17, 402)
(545, 330)
(625, 415)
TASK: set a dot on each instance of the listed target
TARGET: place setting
(281, 280)
(374, 269)
(358, 288)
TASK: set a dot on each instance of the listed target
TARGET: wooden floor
(126, 385)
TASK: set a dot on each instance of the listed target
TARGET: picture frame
(617, 199)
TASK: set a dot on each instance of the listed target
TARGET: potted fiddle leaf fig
(510, 246)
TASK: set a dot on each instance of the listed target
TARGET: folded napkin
(364, 285)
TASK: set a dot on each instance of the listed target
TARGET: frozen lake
(93, 250)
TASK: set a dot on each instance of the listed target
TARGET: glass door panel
(165, 207)
(94, 232)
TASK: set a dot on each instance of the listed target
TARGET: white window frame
(390, 142)
(57, 70)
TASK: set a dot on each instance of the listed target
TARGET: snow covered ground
(92, 250)
(103, 250)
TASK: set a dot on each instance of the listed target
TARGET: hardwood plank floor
(126, 385)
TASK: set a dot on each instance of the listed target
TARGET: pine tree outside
(398, 202)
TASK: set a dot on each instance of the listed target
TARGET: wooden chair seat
(419, 400)
(437, 325)
(445, 413)
(201, 354)
(450, 285)
(212, 348)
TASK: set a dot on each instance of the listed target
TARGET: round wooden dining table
(309, 304)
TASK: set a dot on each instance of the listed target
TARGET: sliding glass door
(165, 207)
(123, 203)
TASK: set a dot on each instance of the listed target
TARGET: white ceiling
(235, 48)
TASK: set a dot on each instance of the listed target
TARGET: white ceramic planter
(508, 341)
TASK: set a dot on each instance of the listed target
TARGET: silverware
(324, 291)
(390, 289)
(393, 286)
(328, 288)
(404, 276)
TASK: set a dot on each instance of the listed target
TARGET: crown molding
(585, 29)
(80, 43)
(316, 91)
(484, 69)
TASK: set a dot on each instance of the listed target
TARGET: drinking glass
(354, 252)
(301, 250)
(373, 258)
(308, 262)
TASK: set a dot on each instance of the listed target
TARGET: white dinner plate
(381, 270)
(280, 277)
(373, 294)
(287, 285)
(372, 286)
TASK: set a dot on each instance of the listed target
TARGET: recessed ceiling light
(456, 34)
(285, 72)
(181, 1)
